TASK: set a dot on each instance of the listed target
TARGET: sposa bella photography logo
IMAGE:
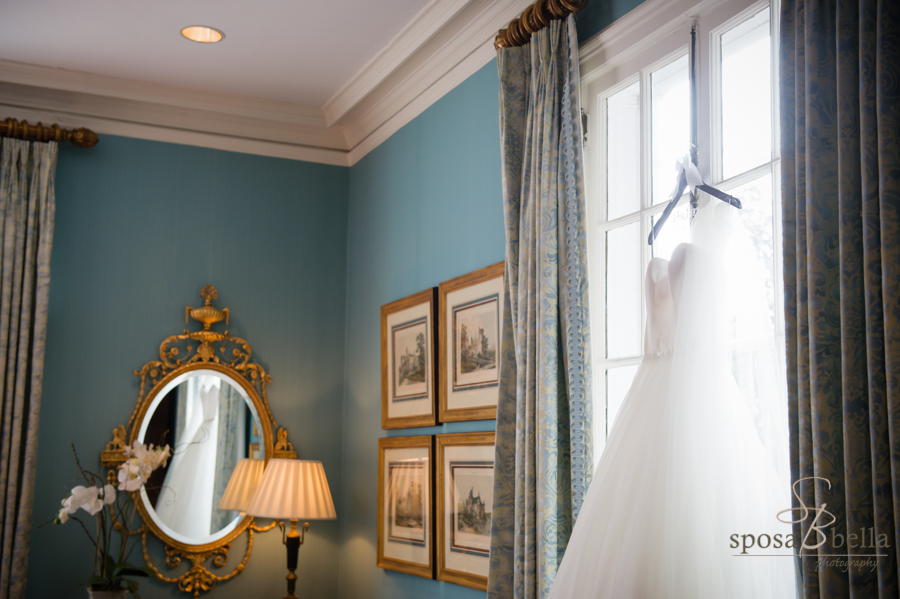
(817, 535)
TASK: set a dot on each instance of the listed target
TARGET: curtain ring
(511, 38)
(526, 22)
(524, 29)
(557, 10)
(515, 37)
(573, 5)
(521, 33)
(540, 16)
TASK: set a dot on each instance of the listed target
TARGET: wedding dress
(691, 460)
(185, 501)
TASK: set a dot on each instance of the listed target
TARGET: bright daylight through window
(640, 124)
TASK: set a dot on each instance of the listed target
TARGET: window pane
(675, 231)
(670, 124)
(623, 155)
(756, 198)
(623, 291)
(746, 96)
(618, 382)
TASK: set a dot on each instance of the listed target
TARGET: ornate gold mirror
(207, 400)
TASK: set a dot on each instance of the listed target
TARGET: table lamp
(242, 485)
(293, 490)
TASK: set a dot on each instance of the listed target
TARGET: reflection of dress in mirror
(186, 500)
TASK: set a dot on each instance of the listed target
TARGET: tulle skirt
(683, 470)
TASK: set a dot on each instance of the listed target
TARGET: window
(639, 105)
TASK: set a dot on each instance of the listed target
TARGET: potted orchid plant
(114, 513)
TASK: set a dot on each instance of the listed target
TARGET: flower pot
(107, 594)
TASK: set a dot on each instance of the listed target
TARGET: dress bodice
(209, 400)
(659, 332)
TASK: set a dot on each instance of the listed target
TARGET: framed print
(465, 494)
(405, 505)
(471, 314)
(408, 361)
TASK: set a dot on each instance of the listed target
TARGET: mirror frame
(180, 354)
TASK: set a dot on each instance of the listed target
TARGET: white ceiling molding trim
(128, 89)
(413, 35)
(457, 75)
(453, 46)
(228, 143)
(444, 44)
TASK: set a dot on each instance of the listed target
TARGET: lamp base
(293, 540)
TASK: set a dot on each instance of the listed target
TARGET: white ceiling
(324, 82)
(287, 50)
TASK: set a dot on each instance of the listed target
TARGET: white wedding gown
(185, 501)
(684, 467)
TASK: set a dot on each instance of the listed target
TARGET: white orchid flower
(85, 498)
(130, 476)
(109, 494)
(94, 503)
(142, 461)
(161, 456)
(77, 498)
(137, 450)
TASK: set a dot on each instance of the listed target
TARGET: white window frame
(610, 62)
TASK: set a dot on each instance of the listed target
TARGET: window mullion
(646, 184)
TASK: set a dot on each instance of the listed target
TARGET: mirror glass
(210, 423)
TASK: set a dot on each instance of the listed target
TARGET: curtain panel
(27, 208)
(840, 128)
(543, 445)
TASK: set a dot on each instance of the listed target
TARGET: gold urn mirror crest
(207, 400)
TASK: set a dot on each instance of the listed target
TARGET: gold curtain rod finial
(80, 138)
(84, 138)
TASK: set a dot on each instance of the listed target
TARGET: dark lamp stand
(293, 539)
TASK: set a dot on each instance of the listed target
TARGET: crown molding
(190, 137)
(451, 55)
(411, 110)
(166, 95)
(445, 43)
(414, 34)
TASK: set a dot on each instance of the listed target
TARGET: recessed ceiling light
(202, 34)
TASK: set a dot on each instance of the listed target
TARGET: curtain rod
(534, 18)
(81, 138)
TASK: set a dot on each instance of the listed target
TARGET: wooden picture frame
(409, 361)
(406, 505)
(463, 519)
(470, 313)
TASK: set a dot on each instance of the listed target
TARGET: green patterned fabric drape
(840, 128)
(27, 207)
(543, 452)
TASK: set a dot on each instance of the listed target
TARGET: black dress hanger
(682, 185)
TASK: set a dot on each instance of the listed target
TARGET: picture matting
(471, 321)
(408, 361)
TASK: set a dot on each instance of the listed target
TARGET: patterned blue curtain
(27, 207)
(230, 447)
(543, 452)
(840, 140)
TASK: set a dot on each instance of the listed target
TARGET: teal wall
(599, 14)
(425, 206)
(304, 255)
(141, 227)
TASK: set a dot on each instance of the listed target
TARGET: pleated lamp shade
(293, 490)
(242, 485)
